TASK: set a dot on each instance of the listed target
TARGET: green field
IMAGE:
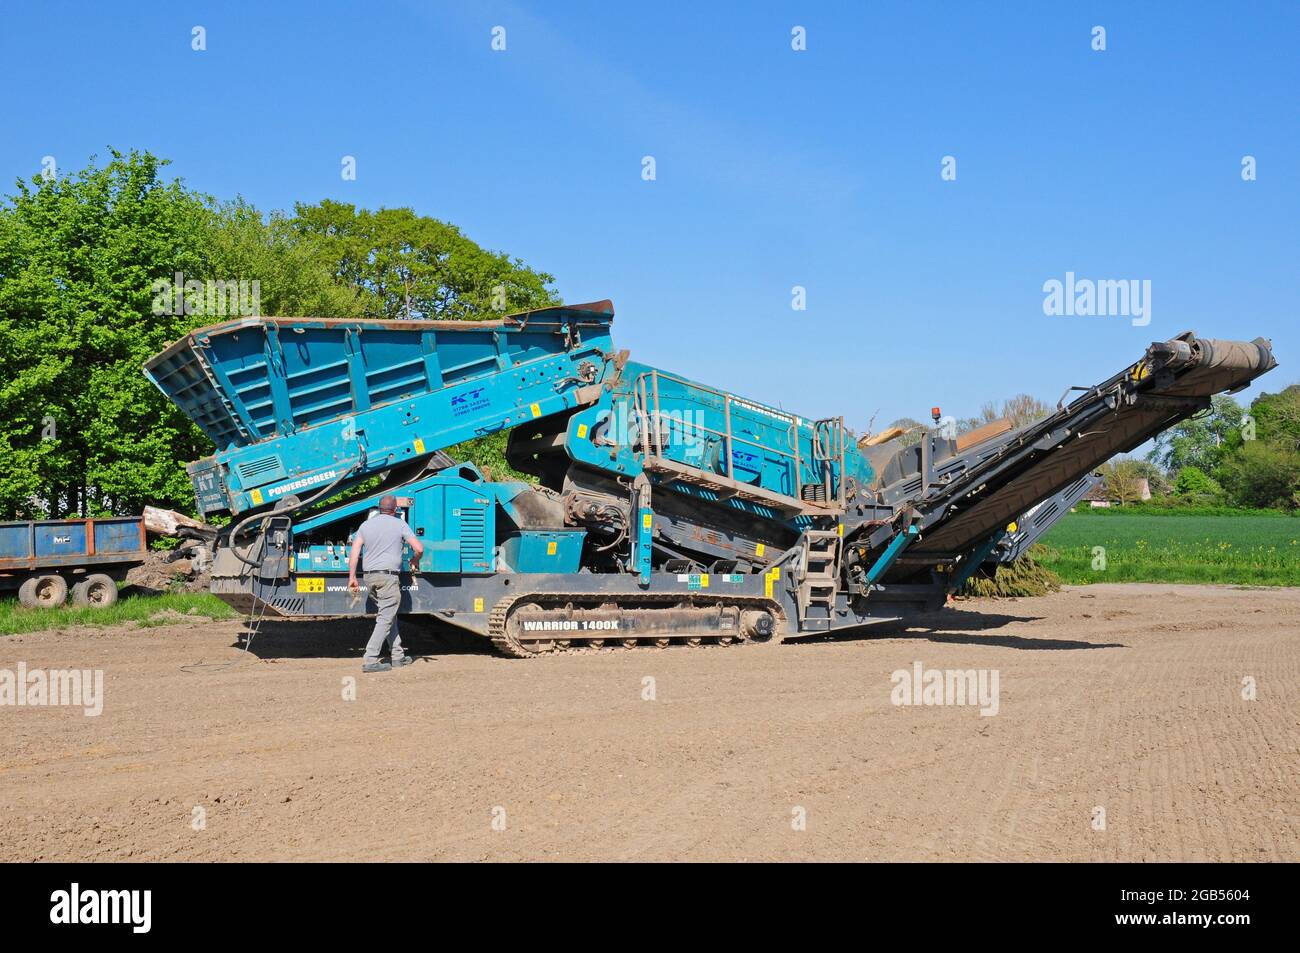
(1244, 550)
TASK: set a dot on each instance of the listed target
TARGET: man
(382, 536)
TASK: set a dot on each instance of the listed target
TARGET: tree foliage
(81, 430)
(82, 256)
(1258, 463)
(404, 265)
(1201, 440)
(1277, 418)
(1262, 474)
(1197, 488)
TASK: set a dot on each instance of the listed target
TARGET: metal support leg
(975, 560)
(896, 546)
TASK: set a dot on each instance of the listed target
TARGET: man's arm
(353, 558)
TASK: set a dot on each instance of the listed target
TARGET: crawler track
(658, 621)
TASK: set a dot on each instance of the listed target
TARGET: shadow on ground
(956, 626)
(423, 636)
(346, 638)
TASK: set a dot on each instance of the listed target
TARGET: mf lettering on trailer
(302, 484)
(468, 402)
(62, 539)
(570, 625)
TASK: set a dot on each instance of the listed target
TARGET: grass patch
(164, 609)
(1254, 550)
(1024, 577)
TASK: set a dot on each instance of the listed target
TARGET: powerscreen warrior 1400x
(666, 511)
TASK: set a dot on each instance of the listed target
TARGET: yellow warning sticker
(550, 548)
(758, 550)
(419, 445)
(478, 603)
(314, 584)
(646, 521)
(582, 431)
(769, 580)
(704, 580)
(536, 409)
(840, 529)
(256, 497)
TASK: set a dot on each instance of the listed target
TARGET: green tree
(1262, 474)
(81, 431)
(1193, 485)
(404, 265)
(294, 271)
(1257, 459)
(1201, 440)
(1277, 418)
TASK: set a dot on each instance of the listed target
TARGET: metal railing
(828, 437)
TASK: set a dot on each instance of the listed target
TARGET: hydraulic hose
(239, 527)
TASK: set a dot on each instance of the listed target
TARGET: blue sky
(775, 168)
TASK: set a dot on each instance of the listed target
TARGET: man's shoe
(404, 660)
(377, 667)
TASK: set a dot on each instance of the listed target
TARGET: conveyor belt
(1033, 524)
(1173, 381)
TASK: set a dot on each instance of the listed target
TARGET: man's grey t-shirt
(381, 542)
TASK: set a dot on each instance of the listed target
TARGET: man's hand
(415, 564)
(352, 584)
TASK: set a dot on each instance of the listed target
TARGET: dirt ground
(1127, 698)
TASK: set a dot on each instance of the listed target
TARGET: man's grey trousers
(387, 591)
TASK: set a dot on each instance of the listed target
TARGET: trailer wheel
(97, 590)
(43, 592)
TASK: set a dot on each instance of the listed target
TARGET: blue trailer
(50, 561)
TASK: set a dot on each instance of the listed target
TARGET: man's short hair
(388, 505)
